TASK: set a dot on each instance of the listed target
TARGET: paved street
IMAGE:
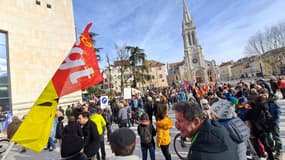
(46, 155)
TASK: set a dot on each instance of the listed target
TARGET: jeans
(277, 138)
(165, 151)
(2, 126)
(102, 149)
(151, 150)
(51, 144)
(283, 93)
(109, 131)
(268, 144)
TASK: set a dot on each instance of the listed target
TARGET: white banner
(127, 93)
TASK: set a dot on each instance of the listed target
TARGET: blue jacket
(275, 111)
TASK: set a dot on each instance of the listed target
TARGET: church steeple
(187, 19)
(188, 28)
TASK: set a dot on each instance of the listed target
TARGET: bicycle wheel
(181, 146)
(4, 144)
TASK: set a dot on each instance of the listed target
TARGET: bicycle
(181, 146)
(4, 144)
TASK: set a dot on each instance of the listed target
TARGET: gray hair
(189, 110)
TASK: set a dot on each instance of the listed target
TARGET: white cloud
(223, 26)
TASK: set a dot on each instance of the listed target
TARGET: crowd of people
(224, 121)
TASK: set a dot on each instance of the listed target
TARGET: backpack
(265, 120)
(238, 130)
(146, 134)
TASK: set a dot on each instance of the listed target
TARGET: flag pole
(8, 150)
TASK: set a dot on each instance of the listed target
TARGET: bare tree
(123, 64)
(256, 44)
(275, 36)
(271, 38)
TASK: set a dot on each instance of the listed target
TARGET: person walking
(223, 111)
(146, 131)
(91, 135)
(107, 114)
(163, 126)
(210, 140)
(72, 141)
(122, 115)
(100, 122)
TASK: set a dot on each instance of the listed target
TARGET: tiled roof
(122, 63)
(175, 64)
(153, 63)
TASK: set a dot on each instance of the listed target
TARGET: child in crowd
(146, 131)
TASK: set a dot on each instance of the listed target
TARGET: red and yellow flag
(79, 70)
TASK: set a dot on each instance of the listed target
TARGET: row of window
(5, 99)
(38, 2)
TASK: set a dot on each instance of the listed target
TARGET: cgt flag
(79, 70)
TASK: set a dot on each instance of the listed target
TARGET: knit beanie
(223, 109)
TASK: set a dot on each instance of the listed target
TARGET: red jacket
(281, 84)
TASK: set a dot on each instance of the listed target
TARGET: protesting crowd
(223, 121)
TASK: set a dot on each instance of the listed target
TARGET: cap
(122, 137)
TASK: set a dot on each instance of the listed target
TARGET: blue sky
(223, 26)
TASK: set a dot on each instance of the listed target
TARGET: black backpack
(265, 120)
(146, 134)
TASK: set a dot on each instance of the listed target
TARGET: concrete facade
(273, 62)
(40, 34)
(157, 72)
(119, 75)
(225, 71)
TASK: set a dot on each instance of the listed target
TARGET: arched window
(189, 38)
(193, 38)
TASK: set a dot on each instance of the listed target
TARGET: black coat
(72, 140)
(59, 130)
(149, 110)
(213, 143)
(91, 139)
(73, 129)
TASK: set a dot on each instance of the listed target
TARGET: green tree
(95, 90)
(93, 36)
(137, 59)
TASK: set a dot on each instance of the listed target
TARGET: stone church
(194, 68)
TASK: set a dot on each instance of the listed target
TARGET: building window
(38, 2)
(159, 68)
(5, 97)
(160, 76)
(153, 77)
(193, 38)
(189, 39)
(48, 5)
(282, 70)
(162, 80)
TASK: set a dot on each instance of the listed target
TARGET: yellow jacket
(100, 122)
(163, 135)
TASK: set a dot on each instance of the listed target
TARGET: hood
(210, 133)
